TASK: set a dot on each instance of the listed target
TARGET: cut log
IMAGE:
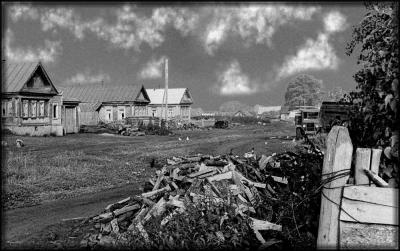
(207, 174)
(264, 225)
(143, 232)
(156, 210)
(104, 217)
(158, 182)
(204, 171)
(280, 179)
(114, 226)
(126, 209)
(222, 176)
(174, 185)
(376, 179)
(171, 215)
(158, 191)
(256, 184)
(214, 188)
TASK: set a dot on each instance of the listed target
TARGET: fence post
(338, 157)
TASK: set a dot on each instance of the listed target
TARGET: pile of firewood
(188, 181)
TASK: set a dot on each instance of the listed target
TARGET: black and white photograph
(200, 125)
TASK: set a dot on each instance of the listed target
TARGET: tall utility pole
(166, 91)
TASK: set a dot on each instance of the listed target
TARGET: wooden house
(179, 103)
(31, 104)
(108, 103)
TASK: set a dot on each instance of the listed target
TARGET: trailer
(334, 113)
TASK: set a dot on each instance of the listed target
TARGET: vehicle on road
(307, 119)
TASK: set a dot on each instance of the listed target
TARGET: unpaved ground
(40, 225)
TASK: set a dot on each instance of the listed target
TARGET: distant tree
(336, 94)
(233, 106)
(303, 90)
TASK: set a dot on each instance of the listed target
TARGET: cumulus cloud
(335, 22)
(129, 30)
(87, 78)
(153, 69)
(232, 81)
(255, 24)
(313, 55)
(24, 12)
(45, 54)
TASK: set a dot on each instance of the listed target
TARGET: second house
(108, 103)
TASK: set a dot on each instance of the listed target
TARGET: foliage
(375, 122)
(336, 94)
(303, 90)
(234, 106)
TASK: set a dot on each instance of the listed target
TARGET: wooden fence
(355, 213)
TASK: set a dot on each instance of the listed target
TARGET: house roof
(17, 74)
(89, 107)
(94, 93)
(175, 96)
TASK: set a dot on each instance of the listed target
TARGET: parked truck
(334, 113)
(306, 121)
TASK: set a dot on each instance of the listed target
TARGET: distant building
(108, 103)
(31, 104)
(179, 103)
(241, 113)
(259, 109)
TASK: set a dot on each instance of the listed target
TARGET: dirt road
(24, 224)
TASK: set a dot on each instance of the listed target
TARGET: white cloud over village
(255, 24)
(316, 54)
(88, 78)
(153, 69)
(46, 54)
(232, 81)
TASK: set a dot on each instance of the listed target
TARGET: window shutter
(46, 108)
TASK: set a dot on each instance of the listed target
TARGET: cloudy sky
(221, 52)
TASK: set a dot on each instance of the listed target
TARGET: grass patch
(29, 176)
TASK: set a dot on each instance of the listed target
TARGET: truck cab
(307, 118)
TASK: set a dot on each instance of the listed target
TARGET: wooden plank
(366, 212)
(376, 159)
(222, 176)
(338, 157)
(256, 184)
(363, 158)
(126, 209)
(207, 170)
(207, 174)
(378, 195)
(368, 236)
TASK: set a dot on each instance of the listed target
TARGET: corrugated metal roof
(92, 93)
(175, 95)
(17, 74)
